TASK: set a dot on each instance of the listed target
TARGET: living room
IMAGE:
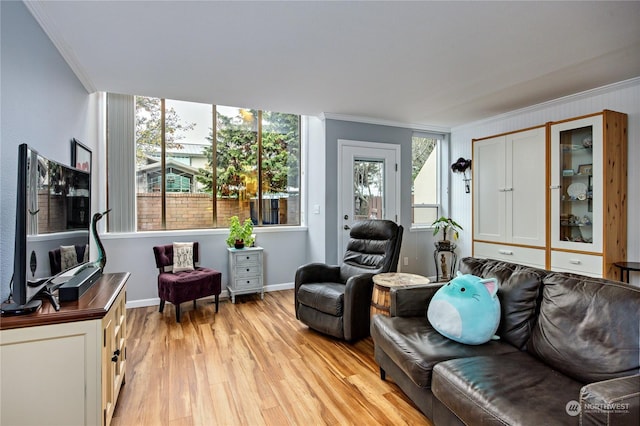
(46, 104)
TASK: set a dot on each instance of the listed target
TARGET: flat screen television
(53, 210)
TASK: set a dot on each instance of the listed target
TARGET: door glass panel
(368, 189)
(576, 194)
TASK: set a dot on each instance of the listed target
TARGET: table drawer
(585, 264)
(247, 259)
(248, 270)
(248, 283)
(515, 254)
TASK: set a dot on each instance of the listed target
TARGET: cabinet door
(525, 188)
(50, 374)
(576, 184)
(113, 355)
(489, 183)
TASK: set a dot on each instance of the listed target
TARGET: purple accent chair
(178, 287)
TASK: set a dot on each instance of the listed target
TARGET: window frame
(164, 169)
(442, 178)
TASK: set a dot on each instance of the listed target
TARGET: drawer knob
(248, 269)
(507, 252)
(575, 261)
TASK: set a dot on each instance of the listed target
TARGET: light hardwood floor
(252, 363)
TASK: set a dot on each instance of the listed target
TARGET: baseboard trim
(155, 301)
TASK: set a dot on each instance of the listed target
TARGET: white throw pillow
(182, 257)
(68, 257)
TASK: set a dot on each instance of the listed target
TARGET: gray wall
(417, 244)
(43, 104)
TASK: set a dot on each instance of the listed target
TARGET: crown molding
(380, 122)
(620, 85)
(40, 15)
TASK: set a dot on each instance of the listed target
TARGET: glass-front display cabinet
(588, 193)
(576, 150)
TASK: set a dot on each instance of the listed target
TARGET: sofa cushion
(519, 290)
(323, 297)
(415, 346)
(513, 388)
(588, 328)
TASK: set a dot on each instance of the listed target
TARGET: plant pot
(239, 244)
(444, 245)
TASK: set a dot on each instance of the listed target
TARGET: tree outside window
(243, 145)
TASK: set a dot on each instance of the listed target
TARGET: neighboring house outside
(182, 165)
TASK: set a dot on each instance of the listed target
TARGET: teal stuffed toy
(466, 309)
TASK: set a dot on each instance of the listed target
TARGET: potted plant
(240, 235)
(446, 224)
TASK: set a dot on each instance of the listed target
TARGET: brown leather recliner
(335, 300)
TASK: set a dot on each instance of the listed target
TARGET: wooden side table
(382, 283)
(627, 266)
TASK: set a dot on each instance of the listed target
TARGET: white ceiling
(437, 64)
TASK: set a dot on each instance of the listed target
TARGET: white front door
(368, 185)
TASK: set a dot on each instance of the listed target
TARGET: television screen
(53, 217)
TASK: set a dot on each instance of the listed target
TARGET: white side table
(245, 272)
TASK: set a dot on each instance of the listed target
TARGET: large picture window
(198, 164)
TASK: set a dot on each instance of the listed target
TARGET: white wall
(314, 178)
(622, 97)
(43, 104)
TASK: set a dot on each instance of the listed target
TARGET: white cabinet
(245, 272)
(509, 198)
(588, 193)
(57, 368)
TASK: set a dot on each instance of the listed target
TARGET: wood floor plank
(252, 363)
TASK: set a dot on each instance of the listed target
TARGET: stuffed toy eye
(462, 289)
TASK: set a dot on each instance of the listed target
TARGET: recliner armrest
(611, 402)
(316, 273)
(412, 301)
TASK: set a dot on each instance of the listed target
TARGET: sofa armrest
(611, 402)
(412, 301)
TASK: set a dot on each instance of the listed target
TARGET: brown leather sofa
(568, 352)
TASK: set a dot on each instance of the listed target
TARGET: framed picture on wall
(80, 156)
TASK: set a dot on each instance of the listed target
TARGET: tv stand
(84, 349)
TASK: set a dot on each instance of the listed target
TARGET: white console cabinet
(65, 367)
